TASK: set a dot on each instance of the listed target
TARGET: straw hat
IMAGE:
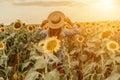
(56, 20)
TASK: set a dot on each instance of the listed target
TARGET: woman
(55, 22)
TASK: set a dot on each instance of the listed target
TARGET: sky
(35, 11)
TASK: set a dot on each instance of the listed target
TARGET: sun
(51, 45)
(106, 2)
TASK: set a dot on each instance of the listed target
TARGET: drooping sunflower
(106, 34)
(112, 46)
(2, 45)
(52, 44)
(17, 25)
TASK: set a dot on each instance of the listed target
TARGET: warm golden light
(107, 2)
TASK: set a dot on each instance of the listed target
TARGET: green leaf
(32, 75)
(53, 75)
(40, 63)
(114, 76)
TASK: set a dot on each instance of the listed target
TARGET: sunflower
(67, 26)
(93, 23)
(80, 38)
(88, 30)
(45, 27)
(29, 28)
(17, 25)
(2, 45)
(1, 29)
(112, 46)
(52, 44)
(35, 27)
(106, 34)
(41, 44)
(118, 29)
(31, 46)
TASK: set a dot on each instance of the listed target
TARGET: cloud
(49, 3)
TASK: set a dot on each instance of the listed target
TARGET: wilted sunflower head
(112, 46)
(17, 25)
(52, 44)
(2, 45)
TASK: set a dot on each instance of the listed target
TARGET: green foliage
(23, 59)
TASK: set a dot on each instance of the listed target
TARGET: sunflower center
(2, 29)
(42, 44)
(113, 46)
(30, 28)
(88, 30)
(118, 30)
(80, 39)
(17, 25)
(51, 45)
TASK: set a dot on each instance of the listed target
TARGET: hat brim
(59, 24)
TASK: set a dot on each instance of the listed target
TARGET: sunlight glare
(107, 3)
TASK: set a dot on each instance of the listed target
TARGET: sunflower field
(93, 54)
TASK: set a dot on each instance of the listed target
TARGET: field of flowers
(93, 54)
